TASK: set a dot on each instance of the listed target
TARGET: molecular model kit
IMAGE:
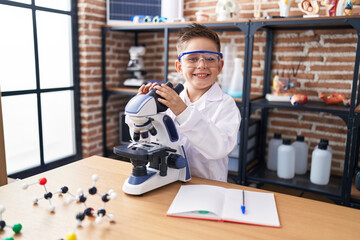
(16, 227)
(79, 198)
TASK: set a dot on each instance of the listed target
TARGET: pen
(243, 202)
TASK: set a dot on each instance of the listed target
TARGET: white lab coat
(208, 130)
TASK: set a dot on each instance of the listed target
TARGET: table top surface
(144, 217)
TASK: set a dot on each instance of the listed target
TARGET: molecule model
(47, 195)
(16, 228)
(90, 211)
(101, 213)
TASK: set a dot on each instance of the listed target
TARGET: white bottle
(272, 154)
(286, 160)
(320, 165)
(301, 155)
(173, 10)
(236, 86)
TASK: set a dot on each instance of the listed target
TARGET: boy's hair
(194, 31)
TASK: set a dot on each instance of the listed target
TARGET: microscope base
(155, 181)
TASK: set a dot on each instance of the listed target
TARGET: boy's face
(201, 77)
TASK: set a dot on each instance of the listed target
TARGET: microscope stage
(141, 151)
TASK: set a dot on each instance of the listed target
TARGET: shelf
(122, 91)
(158, 27)
(338, 110)
(302, 182)
(323, 22)
(277, 23)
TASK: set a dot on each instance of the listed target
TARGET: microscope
(136, 67)
(157, 158)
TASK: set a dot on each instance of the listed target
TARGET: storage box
(120, 11)
(252, 146)
(234, 162)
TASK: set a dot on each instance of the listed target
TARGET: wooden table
(144, 217)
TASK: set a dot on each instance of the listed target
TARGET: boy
(207, 119)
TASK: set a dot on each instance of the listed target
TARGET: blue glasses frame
(185, 53)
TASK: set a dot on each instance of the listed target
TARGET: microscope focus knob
(176, 161)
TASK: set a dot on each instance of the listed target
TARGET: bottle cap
(323, 145)
(277, 135)
(324, 141)
(286, 141)
(300, 138)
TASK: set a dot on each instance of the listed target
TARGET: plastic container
(272, 154)
(320, 165)
(173, 10)
(301, 155)
(286, 160)
(237, 80)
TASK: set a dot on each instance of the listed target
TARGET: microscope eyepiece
(169, 84)
(161, 107)
(178, 88)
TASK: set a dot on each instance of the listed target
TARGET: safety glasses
(193, 59)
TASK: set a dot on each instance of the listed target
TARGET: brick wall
(326, 66)
(92, 16)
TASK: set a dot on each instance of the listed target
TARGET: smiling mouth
(201, 75)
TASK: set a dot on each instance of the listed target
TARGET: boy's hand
(144, 89)
(171, 99)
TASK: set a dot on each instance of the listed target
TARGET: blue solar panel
(123, 10)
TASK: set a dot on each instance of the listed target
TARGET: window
(39, 84)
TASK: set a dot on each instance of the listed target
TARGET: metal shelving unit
(339, 187)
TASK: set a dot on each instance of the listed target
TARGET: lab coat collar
(213, 94)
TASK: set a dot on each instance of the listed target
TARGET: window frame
(73, 13)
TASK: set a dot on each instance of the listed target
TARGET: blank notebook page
(260, 208)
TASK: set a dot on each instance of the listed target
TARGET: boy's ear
(221, 66)
(178, 67)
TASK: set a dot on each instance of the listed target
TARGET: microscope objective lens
(144, 134)
(153, 131)
(136, 136)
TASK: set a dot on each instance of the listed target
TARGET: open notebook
(222, 204)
